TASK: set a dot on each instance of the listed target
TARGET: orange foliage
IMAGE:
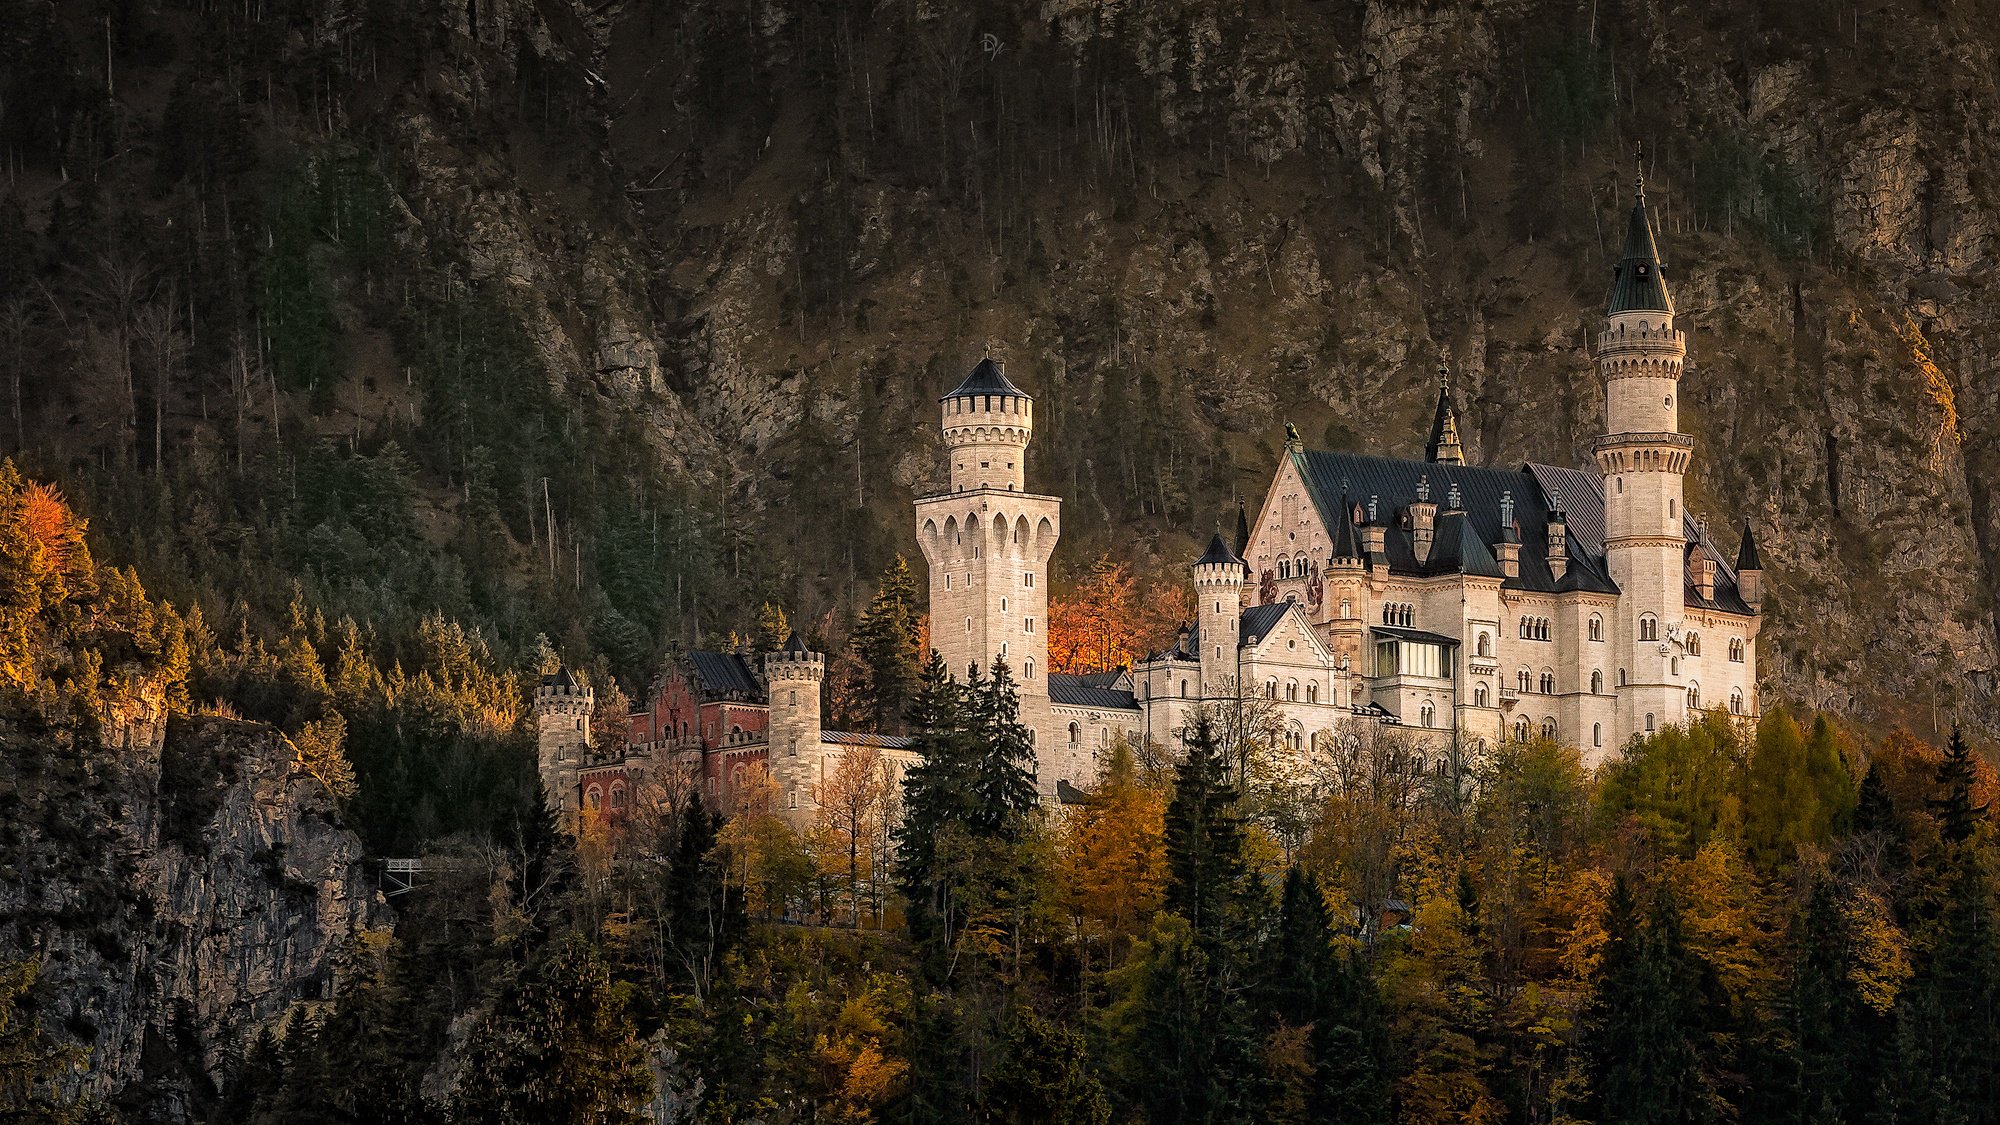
(1109, 622)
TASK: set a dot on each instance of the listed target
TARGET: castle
(1480, 603)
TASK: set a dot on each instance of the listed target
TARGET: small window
(1479, 695)
(1028, 624)
(1694, 644)
(1028, 668)
(1597, 734)
(1621, 677)
(1597, 682)
(1183, 689)
(1312, 692)
(1291, 691)
(1522, 679)
(1649, 627)
(1003, 605)
(1736, 702)
(1694, 697)
(1485, 645)
(1520, 730)
(1548, 683)
(1075, 733)
(1271, 688)
(1596, 627)
(1028, 579)
(1427, 715)
(1649, 722)
(1549, 729)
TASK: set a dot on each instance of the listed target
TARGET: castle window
(1479, 695)
(792, 746)
(1736, 702)
(1284, 568)
(1028, 579)
(1522, 679)
(1621, 677)
(1003, 605)
(1597, 682)
(1597, 734)
(1346, 609)
(1183, 689)
(1521, 730)
(1312, 692)
(1649, 722)
(1028, 668)
(1548, 683)
(1427, 715)
(1694, 644)
(1549, 728)
(1596, 627)
(1271, 688)
(1694, 697)
(792, 799)
(1736, 649)
(795, 699)
(1075, 733)
(947, 580)
(1104, 736)
(1649, 627)
(968, 624)
(1291, 691)
(579, 724)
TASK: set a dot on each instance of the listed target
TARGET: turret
(1218, 581)
(1557, 549)
(1374, 536)
(1444, 445)
(988, 422)
(794, 674)
(1423, 520)
(1749, 570)
(1507, 552)
(563, 708)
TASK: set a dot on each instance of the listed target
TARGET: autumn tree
(1106, 621)
(1797, 789)
(322, 750)
(850, 803)
(1111, 859)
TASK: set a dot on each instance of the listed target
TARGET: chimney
(1374, 537)
(1423, 520)
(1702, 569)
(1508, 550)
(1558, 550)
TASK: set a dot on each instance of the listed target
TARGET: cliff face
(768, 233)
(181, 893)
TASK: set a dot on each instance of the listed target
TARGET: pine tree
(557, 1047)
(1308, 985)
(1824, 1069)
(937, 799)
(707, 914)
(1046, 1078)
(1958, 816)
(1208, 881)
(886, 639)
(1646, 1031)
(772, 629)
(1003, 786)
(1945, 1068)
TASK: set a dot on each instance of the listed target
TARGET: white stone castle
(1480, 603)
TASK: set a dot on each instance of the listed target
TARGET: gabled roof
(1638, 282)
(1728, 595)
(723, 673)
(1259, 620)
(1072, 690)
(986, 378)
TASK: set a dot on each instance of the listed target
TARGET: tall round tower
(563, 708)
(1218, 589)
(1643, 459)
(797, 756)
(988, 542)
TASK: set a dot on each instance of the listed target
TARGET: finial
(1375, 508)
(1292, 437)
(1507, 508)
(1454, 501)
(987, 351)
(1424, 488)
(1444, 377)
(1639, 180)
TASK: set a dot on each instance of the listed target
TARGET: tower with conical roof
(797, 759)
(1218, 589)
(563, 707)
(1444, 445)
(988, 542)
(1643, 459)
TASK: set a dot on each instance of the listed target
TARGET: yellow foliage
(1881, 950)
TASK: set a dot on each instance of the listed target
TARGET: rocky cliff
(766, 233)
(180, 893)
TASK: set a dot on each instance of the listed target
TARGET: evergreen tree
(1046, 1078)
(1824, 1069)
(1208, 881)
(1309, 985)
(1003, 785)
(937, 799)
(706, 917)
(1646, 1031)
(253, 1084)
(887, 639)
(1958, 816)
(1946, 1069)
(557, 1047)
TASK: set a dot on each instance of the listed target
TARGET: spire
(1242, 529)
(986, 378)
(1638, 283)
(1444, 445)
(1346, 542)
(793, 645)
(1218, 552)
(1746, 552)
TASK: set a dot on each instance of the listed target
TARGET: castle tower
(988, 542)
(1218, 583)
(562, 734)
(797, 757)
(1643, 459)
(1444, 446)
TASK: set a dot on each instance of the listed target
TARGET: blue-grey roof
(1746, 551)
(1462, 541)
(1218, 552)
(986, 378)
(722, 673)
(1638, 282)
(1076, 691)
(860, 738)
(560, 680)
(1404, 634)
(1259, 620)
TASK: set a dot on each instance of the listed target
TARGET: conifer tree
(1046, 1078)
(937, 799)
(557, 1047)
(1946, 1069)
(1646, 1031)
(1827, 1035)
(1208, 881)
(707, 914)
(1310, 986)
(886, 639)
(1003, 788)
(1958, 815)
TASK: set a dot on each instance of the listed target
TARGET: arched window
(591, 797)
(1549, 728)
(1649, 722)
(1485, 644)
(1649, 627)
(1003, 605)
(1075, 733)
(1597, 734)
(1523, 678)
(1427, 715)
(1597, 682)
(1291, 691)
(1028, 668)
(1596, 627)
(1694, 644)
(1284, 568)
(1183, 689)
(1520, 730)
(1736, 649)
(1694, 697)
(1479, 695)
(1271, 688)
(1312, 691)
(1621, 677)
(1736, 702)
(1548, 683)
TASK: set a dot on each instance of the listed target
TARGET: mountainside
(592, 265)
